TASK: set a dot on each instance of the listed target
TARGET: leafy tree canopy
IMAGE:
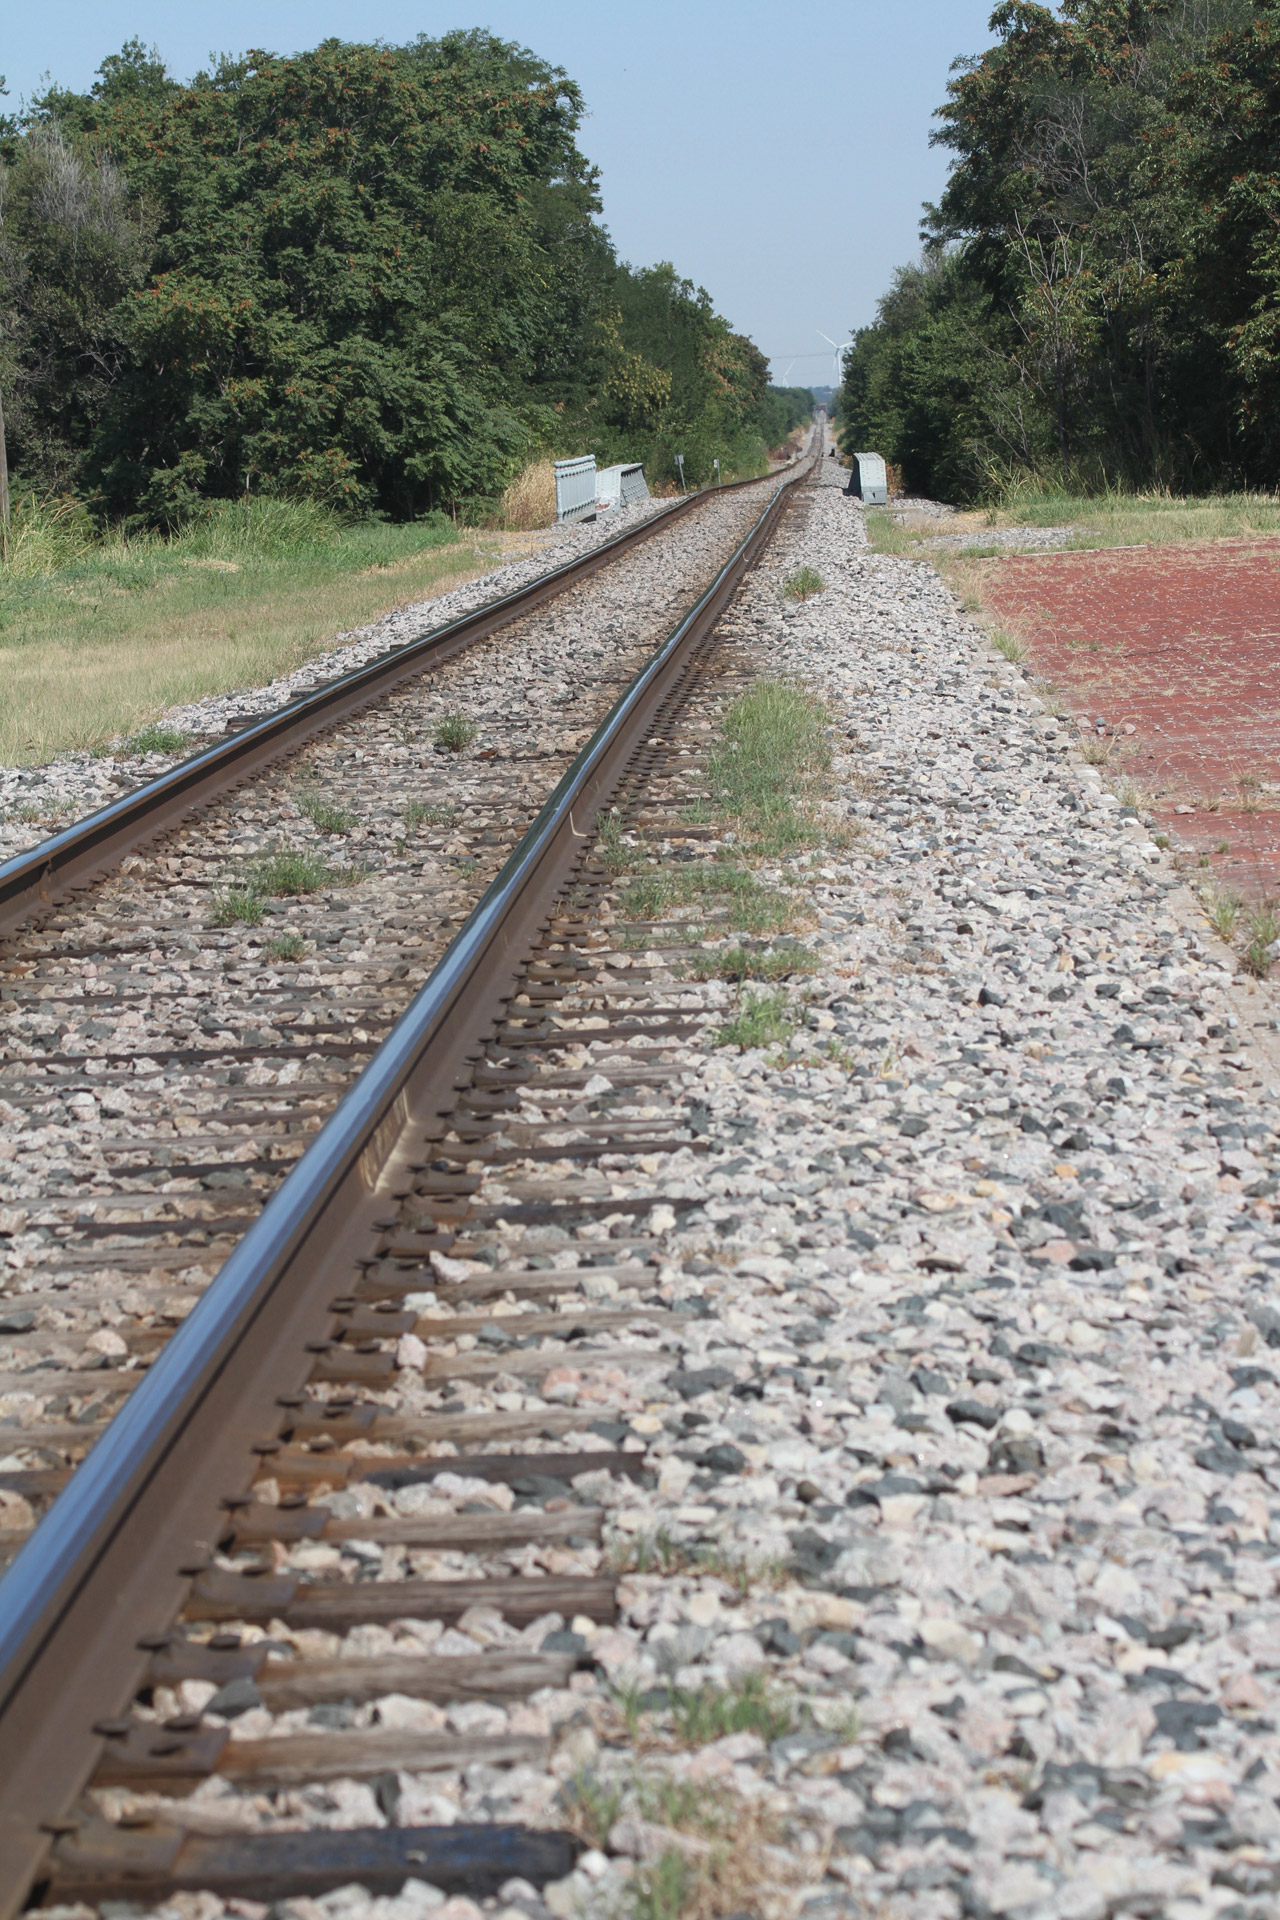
(371, 275)
(1097, 296)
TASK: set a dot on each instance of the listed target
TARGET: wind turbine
(838, 351)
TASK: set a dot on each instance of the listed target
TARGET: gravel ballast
(950, 1330)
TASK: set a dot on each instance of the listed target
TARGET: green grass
(665, 1889)
(323, 814)
(751, 963)
(762, 1020)
(455, 733)
(1223, 910)
(99, 634)
(287, 872)
(592, 1804)
(1005, 643)
(236, 905)
(155, 740)
(283, 873)
(749, 905)
(751, 1706)
(1263, 927)
(286, 946)
(419, 814)
(611, 850)
(773, 762)
(803, 583)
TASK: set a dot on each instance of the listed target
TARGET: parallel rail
(38, 879)
(97, 1587)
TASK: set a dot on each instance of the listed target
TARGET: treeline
(371, 276)
(1098, 302)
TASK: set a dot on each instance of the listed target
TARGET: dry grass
(102, 643)
(711, 1848)
(530, 500)
(1106, 520)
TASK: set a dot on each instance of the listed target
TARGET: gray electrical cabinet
(870, 481)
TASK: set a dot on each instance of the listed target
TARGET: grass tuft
(763, 1020)
(1006, 643)
(285, 873)
(455, 733)
(236, 905)
(1263, 930)
(1223, 910)
(592, 1805)
(750, 906)
(664, 1889)
(803, 584)
(750, 1706)
(611, 850)
(419, 814)
(286, 946)
(751, 963)
(323, 814)
(154, 740)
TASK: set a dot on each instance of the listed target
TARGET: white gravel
(972, 1371)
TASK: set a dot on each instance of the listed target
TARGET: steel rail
(37, 879)
(109, 1566)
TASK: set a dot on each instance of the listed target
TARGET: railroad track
(263, 1528)
(177, 1033)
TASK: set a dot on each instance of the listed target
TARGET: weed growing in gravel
(1223, 910)
(1162, 841)
(455, 732)
(803, 583)
(1263, 929)
(419, 814)
(236, 905)
(592, 1805)
(750, 906)
(323, 814)
(747, 963)
(705, 1714)
(286, 946)
(1005, 643)
(762, 1020)
(611, 850)
(154, 740)
(1097, 751)
(663, 1890)
(775, 757)
(285, 873)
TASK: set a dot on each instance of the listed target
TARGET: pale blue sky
(779, 155)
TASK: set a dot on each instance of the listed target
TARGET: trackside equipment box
(870, 481)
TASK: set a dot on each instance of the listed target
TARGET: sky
(779, 155)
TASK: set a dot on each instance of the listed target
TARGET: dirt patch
(1170, 656)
